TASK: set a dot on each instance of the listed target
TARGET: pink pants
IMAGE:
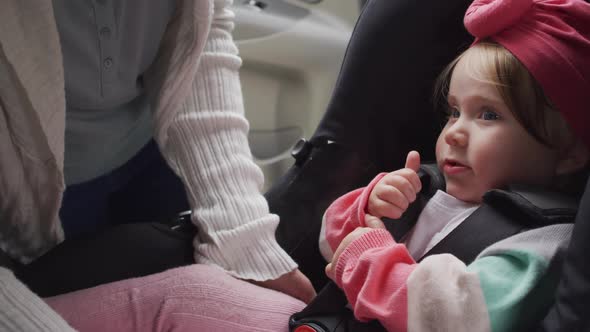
(192, 298)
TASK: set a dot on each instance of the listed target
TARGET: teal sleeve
(517, 288)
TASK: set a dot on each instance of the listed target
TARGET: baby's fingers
(414, 183)
(395, 184)
(413, 161)
(382, 208)
(373, 222)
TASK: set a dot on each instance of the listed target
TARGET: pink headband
(552, 40)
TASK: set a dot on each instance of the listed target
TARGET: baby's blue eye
(454, 112)
(490, 115)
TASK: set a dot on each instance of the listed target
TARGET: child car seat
(503, 213)
(380, 109)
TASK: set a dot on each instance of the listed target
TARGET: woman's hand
(394, 192)
(294, 283)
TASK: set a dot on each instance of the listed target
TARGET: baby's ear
(574, 159)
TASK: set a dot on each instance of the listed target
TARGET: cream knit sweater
(21, 310)
(200, 128)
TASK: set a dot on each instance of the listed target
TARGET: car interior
(291, 52)
(337, 91)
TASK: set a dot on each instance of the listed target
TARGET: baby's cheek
(439, 146)
(497, 174)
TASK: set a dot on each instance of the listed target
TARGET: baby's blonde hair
(491, 63)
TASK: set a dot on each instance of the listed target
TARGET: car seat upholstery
(570, 311)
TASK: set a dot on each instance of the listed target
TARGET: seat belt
(467, 240)
(505, 213)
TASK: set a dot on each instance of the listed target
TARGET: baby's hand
(358, 232)
(394, 192)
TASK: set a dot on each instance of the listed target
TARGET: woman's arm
(22, 310)
(208, 147)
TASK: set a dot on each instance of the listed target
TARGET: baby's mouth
(453, 167)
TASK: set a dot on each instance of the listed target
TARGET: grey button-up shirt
(107, 45)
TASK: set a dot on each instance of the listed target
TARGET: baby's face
(483, 146)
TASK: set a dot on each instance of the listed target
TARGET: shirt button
(105, 32)
(108, 62)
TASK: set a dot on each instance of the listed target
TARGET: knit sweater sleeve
(22, 310)
(347, 213)
(208, 146)
(507, 288)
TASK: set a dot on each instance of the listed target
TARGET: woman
(185, 73)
